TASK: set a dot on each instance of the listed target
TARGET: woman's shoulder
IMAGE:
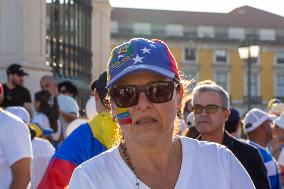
(103, 161)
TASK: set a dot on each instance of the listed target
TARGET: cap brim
(24, 74)
(141, 67)
(21, 73)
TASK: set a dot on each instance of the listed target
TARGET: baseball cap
(277, 109)
(16, 69)
(101, 86)
(254, 118)
(141, 54)
(279, 121)
(234, 115)
(272, 102)
(20, 112)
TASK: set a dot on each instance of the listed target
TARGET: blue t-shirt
(271, 166)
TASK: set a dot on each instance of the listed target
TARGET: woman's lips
(145, 121)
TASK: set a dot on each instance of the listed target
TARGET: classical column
(22, 39)
(100, 35)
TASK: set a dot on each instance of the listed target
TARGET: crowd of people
(148, 131)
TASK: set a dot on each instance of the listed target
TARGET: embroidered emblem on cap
(123, 56)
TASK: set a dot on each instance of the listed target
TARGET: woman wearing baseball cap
(146, 93)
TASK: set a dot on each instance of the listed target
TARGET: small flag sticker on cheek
(123, 116)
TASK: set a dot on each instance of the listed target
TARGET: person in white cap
(258, 127)
(279, 137)
(42, 149)
(15, 151)
(277, 143)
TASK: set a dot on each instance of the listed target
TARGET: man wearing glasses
(211, 110)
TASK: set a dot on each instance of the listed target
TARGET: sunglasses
(156, 92)
(209, 109)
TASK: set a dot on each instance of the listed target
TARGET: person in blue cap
(146, 94)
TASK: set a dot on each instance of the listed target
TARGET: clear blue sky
(273, 6)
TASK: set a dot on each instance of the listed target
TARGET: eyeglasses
(209, 109)
(156, 92)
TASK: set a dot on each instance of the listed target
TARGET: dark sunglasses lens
(160, 92)
(125, 96)
(211, 109)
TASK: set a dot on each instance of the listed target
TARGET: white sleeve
(239, 177)
(68, 105)
(43, 152)
(80, 179)
(281, 158)
(41, 120)
(16, 142)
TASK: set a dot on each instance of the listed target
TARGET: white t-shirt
(67, 104)
(42, 153)
(42, 120)
(15, 144)
(204, 165)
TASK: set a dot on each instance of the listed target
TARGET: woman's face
(150, 121)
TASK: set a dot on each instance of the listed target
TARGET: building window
(266, 34)
(221, 55)
(142, 28)
(114, 27)
(236, 33)
(279, 85)
(190, 54)
(222, 80)
(174, 30)
(279, 59)
(254, 85)
(206, 32)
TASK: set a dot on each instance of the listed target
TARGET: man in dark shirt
(14, 92)
(211, 111)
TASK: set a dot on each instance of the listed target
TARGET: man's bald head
(48, 83)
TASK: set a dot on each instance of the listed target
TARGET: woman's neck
(157, 160)
(156, 155)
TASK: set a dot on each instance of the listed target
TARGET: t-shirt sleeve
(16, 142)
(80, 179)
(41, 120)
(239, 177)
(68, 105)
